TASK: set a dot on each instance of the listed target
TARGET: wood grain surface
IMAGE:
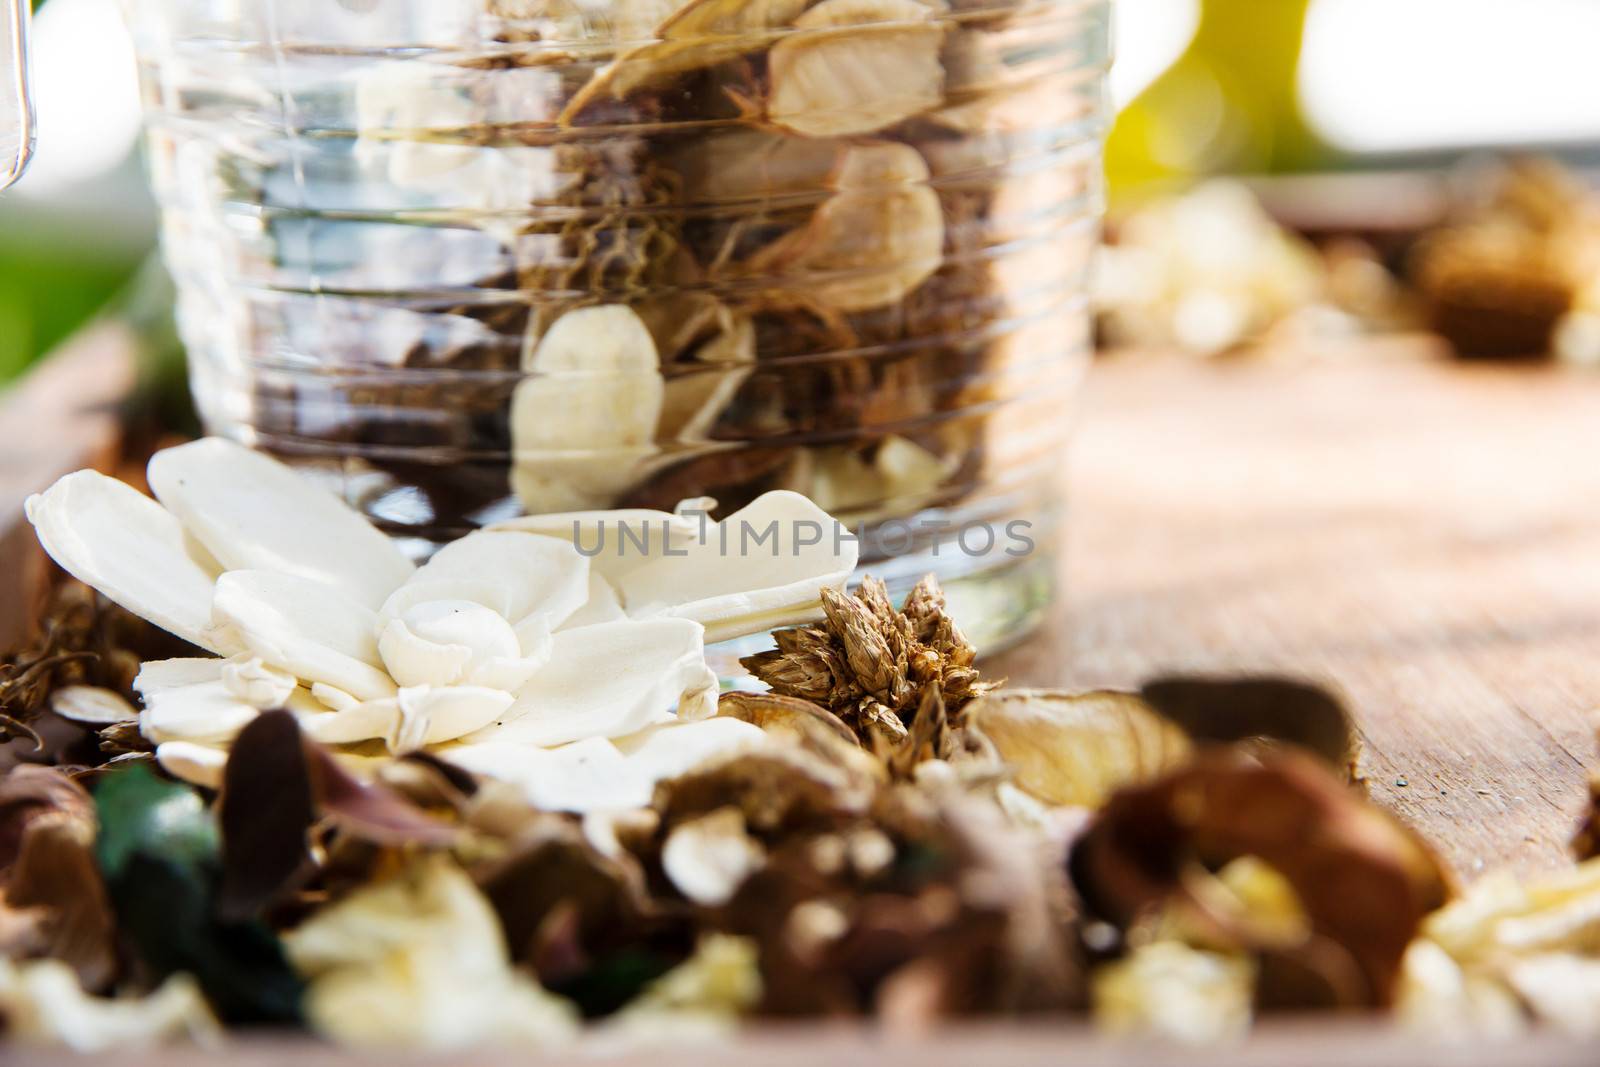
(1421, 534)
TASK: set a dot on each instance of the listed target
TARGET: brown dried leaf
(276, 786)
(1228, 710)
(52, 899)
(1364, 881)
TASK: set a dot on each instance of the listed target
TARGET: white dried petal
(44, 1005)
(604, 681)
(585, 776)
(202, 712)
(416, 660)
(252, 681)
(709, 858)
(419, 960)
(92, 705)
(513, 574)
(254, 513)
(196, 764)
(430, 716)
(585, 417)
(112, 537)
(365, 721)
(603, 606)
(333, 697)
(305, 627)
(866, 64)
(1170, 991)
(673, 748)
(761, 568)
(699, 34)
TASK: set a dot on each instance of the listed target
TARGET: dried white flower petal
(585, 417)
(606, 681)
(196, 764)
(762, 567)
(1175, 992)
(705, 995)
(110, 536)
(304, 627)
(511, 573)
(419, 960)
(252, 681)
(43, 1004)
(603, 606)
(253, 513)
(92, 705)
(203, 712)
(709, 858)
(668, 749)
(869, 64)
(429, 716)
(585, 776)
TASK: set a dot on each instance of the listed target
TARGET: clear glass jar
(470, 258)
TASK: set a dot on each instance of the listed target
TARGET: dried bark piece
(1260, 710)
(878, 237)
(856, 66)
(1363, 881)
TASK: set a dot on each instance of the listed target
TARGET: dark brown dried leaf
(52, 899)
(1363, 881)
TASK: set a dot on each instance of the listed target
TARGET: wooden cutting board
(1422, 534)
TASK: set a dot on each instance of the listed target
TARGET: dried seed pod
(855, 67)
(876, 239)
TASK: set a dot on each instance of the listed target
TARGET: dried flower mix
(883, 833)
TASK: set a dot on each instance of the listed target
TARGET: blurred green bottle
(1228, 105)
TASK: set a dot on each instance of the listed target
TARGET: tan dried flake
(878, 237)
(1076, 749)
(856, 66)
(700, 34)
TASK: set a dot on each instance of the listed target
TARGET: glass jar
(466, 259)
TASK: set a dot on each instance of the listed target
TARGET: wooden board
(1422, 534)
